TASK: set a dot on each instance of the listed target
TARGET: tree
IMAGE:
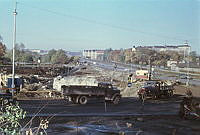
(20, 54)
(193, 56)
(2, 49)
(56, 57)
(10, 116)
(2, 52)
(60, 57)
(106, 56)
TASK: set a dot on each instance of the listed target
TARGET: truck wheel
(116, 100)
(83, 100)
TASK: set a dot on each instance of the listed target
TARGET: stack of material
(74, 80)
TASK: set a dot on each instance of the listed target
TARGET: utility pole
(150, 68)
(14, 42)
(188, 66)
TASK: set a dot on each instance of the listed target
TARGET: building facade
(185, 48)
(93, 54)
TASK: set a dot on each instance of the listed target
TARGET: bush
(10, 115)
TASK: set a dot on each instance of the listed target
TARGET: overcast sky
(75, 25)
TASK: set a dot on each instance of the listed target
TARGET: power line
(103, 24)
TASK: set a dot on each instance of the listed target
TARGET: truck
(79, 94)
(155, 89)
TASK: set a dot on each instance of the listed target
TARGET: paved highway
(132, 68)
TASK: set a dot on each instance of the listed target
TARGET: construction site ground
(129, 117)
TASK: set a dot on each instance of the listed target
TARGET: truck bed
(88, 90)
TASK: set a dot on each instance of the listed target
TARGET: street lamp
(14, 42)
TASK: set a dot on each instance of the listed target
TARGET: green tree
(20, 54)
(60, 57)
(10, 116)
(2, 49)
(2, 52)
(56, 57)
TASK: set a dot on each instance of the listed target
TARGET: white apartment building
(185, 48)
(93, 54)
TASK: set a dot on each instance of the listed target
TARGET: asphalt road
(127, 106)
(133, 68)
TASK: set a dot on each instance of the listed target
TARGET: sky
(75, 25)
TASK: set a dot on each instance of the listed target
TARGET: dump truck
(79, 94)
(155, 89)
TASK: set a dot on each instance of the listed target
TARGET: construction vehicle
(155, 89)
(80, 94)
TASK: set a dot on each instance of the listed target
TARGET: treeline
(22, 55)
(58, 57)
(144, 56)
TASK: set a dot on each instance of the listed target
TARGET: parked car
(183, 76)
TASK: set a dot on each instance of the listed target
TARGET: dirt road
(94, 107)
(156, 117)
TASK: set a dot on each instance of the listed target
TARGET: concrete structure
(93, 54)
